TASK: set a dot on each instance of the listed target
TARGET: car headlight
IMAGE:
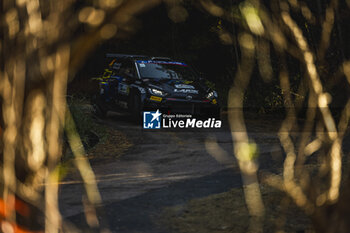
(212, 95)
(157, 92)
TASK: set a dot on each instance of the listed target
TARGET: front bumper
(182, 106)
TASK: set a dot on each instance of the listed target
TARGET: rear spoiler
(117, 55)
(161, 59)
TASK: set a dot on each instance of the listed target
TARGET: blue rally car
(140, 83)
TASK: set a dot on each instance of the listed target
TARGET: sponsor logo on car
(184, 86)
(156, 98)
(190, 91)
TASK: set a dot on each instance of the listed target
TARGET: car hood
(178, 88)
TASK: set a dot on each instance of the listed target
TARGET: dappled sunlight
(327, 29)
(244, 150)
(110, 3)
(346, 70)
(297, 178)
(323, 102)
(36, 150)
(212, 8)
(253, 20)
(91, 16)
(219, 154)
(307, 12)
(312, 147)
(34, 77)
(178, 14)
(335, 154)
(13, 23)
(288, 44)
(264, 60)
(90, 214)
(108, 31)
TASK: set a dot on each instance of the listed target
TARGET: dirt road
(164, 168)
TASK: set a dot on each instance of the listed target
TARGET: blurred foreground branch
(43, 43)
(289, 27)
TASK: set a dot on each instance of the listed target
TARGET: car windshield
(165, 70)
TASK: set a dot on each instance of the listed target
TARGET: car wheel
(99, 111)
(136, 108)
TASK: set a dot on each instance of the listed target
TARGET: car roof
(137, 57)
(130, 56)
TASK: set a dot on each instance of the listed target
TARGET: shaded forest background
(200, 40)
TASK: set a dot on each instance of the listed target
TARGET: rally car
(138, 83)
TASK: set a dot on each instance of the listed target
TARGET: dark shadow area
(137, 214)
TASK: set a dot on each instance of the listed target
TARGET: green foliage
(262, 97)
(90, 132)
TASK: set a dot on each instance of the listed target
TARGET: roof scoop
(161, 59)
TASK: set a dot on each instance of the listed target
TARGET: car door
(127, 76)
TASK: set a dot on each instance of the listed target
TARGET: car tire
(136, 108)
(99, 111)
